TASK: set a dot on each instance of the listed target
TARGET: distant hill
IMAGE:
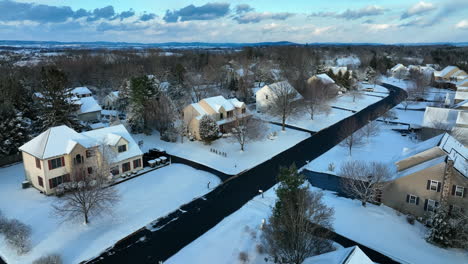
(11, 44)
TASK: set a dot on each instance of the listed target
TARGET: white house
(399, 71)
(110, 101)
(351, 255)
(53, 156)
(265, 96)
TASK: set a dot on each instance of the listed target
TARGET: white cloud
(379, 27)
(462, 24)
(418, 9)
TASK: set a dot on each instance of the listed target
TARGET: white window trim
(462, 190)
(412, 196)
(436, 185)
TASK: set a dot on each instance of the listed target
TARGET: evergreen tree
(141, 91)
(347, 80)
(448, 229)
(209, 130)
(321, 69)
(233, 85)
(290, 183)
(14, 130)
(58, 106)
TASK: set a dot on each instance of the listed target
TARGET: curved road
(175, 231)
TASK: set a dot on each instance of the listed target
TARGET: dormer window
(221, 116)
(230, 114)
(266, 96)
(243, 110)
(122, 148)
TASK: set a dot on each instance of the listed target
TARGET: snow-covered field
(143, 199)
(384, 147)
(378, 227)
(324, 120)
(236, 161)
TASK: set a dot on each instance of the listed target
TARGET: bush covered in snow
(17, 234)
(209, 130)
(49, 259)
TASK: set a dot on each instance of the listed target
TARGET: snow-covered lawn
(143, 199)
(236, 161)
(384, 147)
(324, 120)
(378, 227)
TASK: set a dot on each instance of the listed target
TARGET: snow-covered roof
(337, 70)
(325, 78)
(60, 140)
(462, 119)
(397, 67)
(461, 95)
(461, 104)
(435, 117)
(199, 109)
(88, 105)
(445, 71)
(216, 102)
(81, 90)
(236, 103)
(55, 141)
(460, 73)
(111, 135)
(463, 82)
(351, 255)
(452, 148)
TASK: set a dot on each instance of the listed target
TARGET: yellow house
(435, 171)
(50, 158)
(450, 73)
(223, 111)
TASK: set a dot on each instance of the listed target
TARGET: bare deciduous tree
(354, 137)
(372, 129)
(284, 101)
(363, 180)
(317, 95)
(246, 128)
(87, 193)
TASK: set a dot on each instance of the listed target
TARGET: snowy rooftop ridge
(81, 90)
(61, 140)
(351, 255)
(325, 78)
(88, 105)
(216, 102)
(445, 71)
(454, 150)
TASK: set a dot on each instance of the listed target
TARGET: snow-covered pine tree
(58, 106)
(209, 130)
(141, 90)
(14, 131)
(449, 229)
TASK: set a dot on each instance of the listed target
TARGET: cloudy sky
(302, 21)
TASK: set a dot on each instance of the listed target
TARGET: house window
(266, 96)
(243, 110)
(137, 163)
(38, 163)
(220, 115)
(431, 205)
(56, 163)
(54, 182)
(122, 148)
(89, 153)
(126, 167)
(412, 199)
(90, 170)
(230, 114)
(115, 170)
(458, 191)
(78, 159)
(41, 182)
(433, 185)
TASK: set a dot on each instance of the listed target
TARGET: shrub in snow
(449, 228)
(410, 219)
(170, 135)
(331, 166)
(260, 249)
(209, 130)
(17, 236)
(243, 257)
(49, 259)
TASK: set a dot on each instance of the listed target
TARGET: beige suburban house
(223, 111)
(435, 171)
(50, 158)
(450, 73)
